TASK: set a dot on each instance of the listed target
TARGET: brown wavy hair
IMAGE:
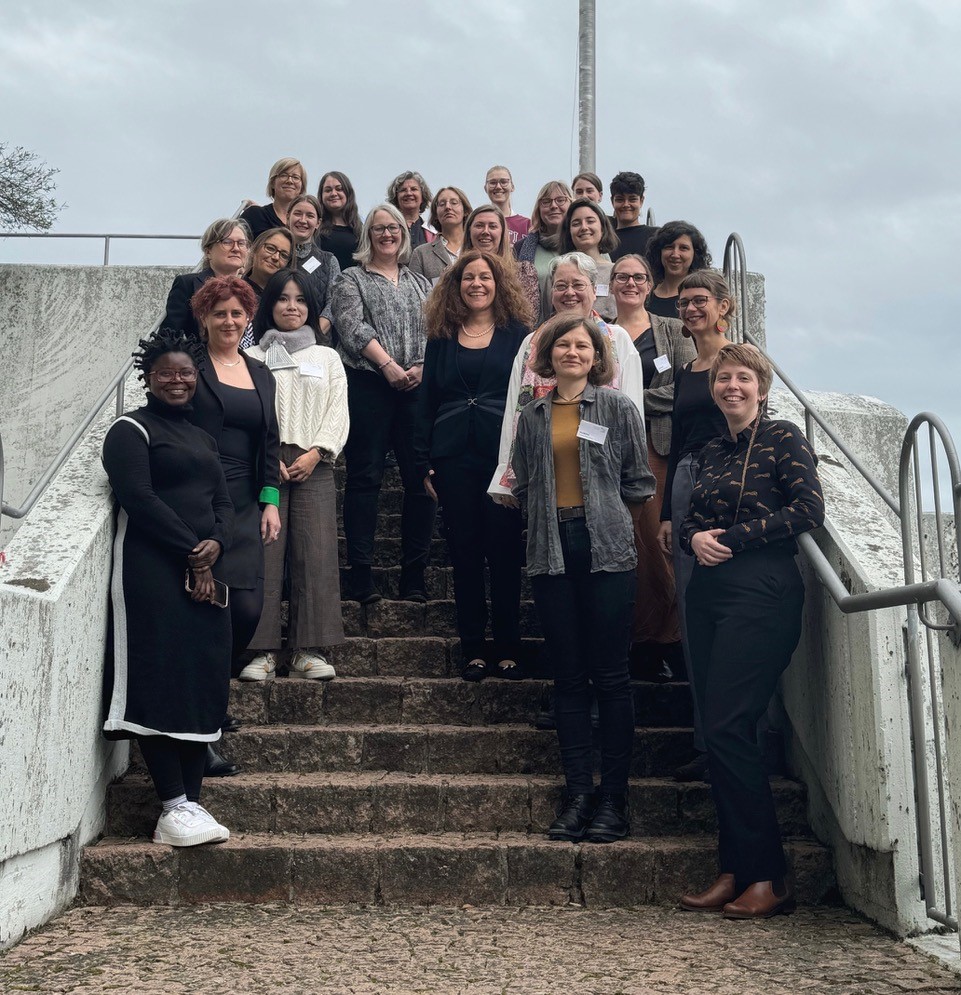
(445, 310)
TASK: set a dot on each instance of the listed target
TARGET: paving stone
(296, 950)
(444, 871)
(413, 657)
(355, 658)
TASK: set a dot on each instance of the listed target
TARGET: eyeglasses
(578, 287)
(229, 243)
(273, 250)
(498, 183)
(289, 176)
(380, 229)
(560, 201)
(636, 277)
(683, 303)
(187, 375)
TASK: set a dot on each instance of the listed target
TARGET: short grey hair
(365, 251)
(220, 229)
(581, 260)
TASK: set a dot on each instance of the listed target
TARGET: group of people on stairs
(562, 386)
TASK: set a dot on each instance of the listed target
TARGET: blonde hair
(286, 165)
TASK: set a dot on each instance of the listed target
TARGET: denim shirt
(611, 474)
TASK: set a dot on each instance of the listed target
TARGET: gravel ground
(227, 949)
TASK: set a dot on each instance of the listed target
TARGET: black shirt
(634, 239)
(342, 242)
(261, 218)
(781, 497)
(644, 344)
(695, 420)
(666, 307)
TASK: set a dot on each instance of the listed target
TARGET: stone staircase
(400, 783)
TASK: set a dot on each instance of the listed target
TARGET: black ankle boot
(360, 585)
(412, 584)
(573, 819)
(612, 820)
(216, 766)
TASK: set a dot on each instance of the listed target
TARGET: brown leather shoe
(761, 901)
(712, 900)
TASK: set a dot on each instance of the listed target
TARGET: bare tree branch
(26, 186)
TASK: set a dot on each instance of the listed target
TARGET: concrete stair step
(387, 552)
(436, 700)
(439, 581)
(447, 869)
(428, 749)
(386, 802)
(408, 618)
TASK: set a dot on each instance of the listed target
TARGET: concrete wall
(67, 330)
(55, 764)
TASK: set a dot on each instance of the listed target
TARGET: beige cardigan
(669, 341)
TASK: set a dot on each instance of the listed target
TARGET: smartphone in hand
(221, 598)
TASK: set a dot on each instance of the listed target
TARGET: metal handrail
(735, 271)
(106, 236)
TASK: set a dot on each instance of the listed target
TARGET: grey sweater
(612, 473)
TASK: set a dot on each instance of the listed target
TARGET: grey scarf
(279, 345)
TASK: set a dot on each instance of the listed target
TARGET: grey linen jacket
(669, 341)
(611, 474)
(368, 306)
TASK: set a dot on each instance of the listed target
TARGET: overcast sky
(828, 134)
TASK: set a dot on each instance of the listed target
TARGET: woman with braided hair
(171, 632)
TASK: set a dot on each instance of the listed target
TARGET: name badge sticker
(662, 364)
(603, 290)
(593, 433)
(311, 264)
(312, 370)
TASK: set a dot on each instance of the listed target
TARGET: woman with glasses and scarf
(313, 421)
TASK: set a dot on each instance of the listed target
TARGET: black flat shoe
(413, 587)
(696, 770)
(216, 766)
(612, 820)
(573, 819)
(230, 724)
(511, 672)
(473, 670)
(359, 585)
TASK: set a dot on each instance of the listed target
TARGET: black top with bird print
(781, 496)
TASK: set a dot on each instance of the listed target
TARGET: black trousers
(479, 530)
(586, 618)
(381, 418)
(743, 623)
(176, 766)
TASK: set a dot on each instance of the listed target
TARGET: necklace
(395, 279)
(477, 335)
(574, 398)
(222, 363)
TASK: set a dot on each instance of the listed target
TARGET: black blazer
(446, 412)
(208, 414)
(179, 316)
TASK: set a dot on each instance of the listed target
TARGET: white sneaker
(311, 666)
(189, 824)
(263, 667)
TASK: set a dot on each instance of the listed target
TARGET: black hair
(669, 233)
(627, 183)
(162, 341)
(264, 318)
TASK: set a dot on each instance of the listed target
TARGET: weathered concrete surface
(67, 330)
(483, 951)
(55, 764)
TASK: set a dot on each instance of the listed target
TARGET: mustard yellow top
(565, 419)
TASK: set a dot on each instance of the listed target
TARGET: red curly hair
(222, 288)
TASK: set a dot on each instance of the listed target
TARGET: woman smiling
(448, 215)
(586, 228)
(287, 180)
(321, 266)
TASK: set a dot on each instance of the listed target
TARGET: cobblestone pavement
(226, 949)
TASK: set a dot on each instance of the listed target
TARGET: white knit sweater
(311, 410)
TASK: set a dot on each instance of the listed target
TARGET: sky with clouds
(826, 133)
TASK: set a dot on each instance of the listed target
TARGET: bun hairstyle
(162, 342)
